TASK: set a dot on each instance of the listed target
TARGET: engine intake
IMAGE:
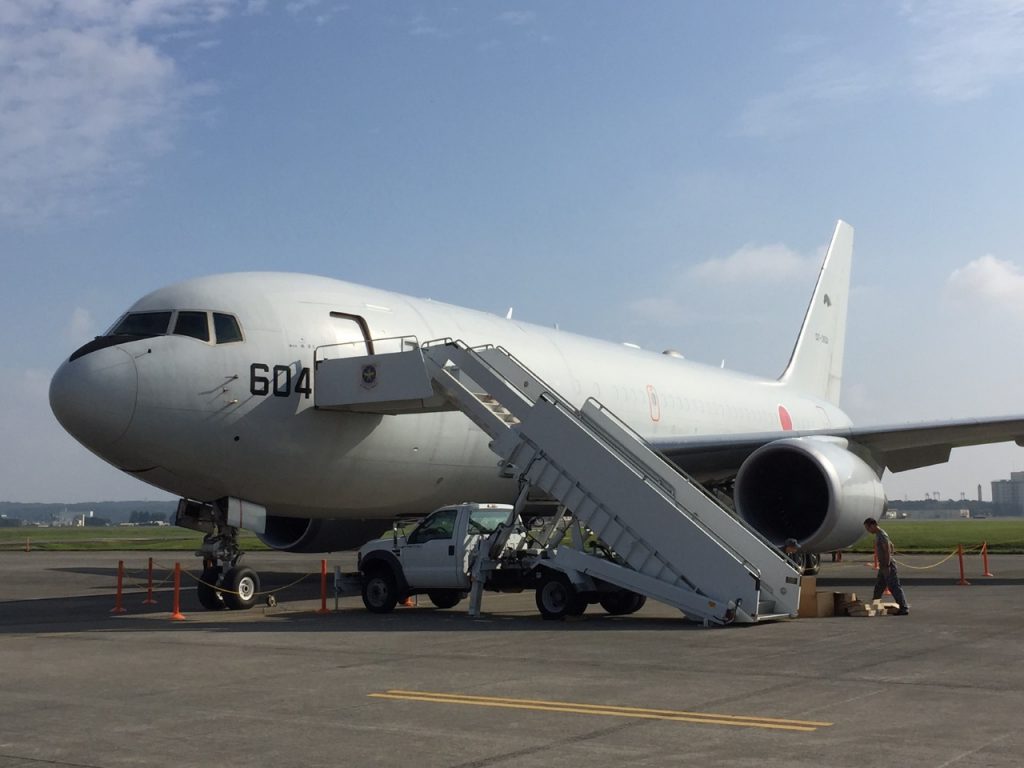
(811, 489)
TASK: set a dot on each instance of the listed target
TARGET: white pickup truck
(437, 558)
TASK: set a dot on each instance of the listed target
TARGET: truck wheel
(242, 584)
(638, 602)
(444, 598)
(622, 603)
(380, 592)
(556, 598)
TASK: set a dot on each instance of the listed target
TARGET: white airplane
(205, 389)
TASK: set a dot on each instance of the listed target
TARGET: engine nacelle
(810, 489)
(299, 534)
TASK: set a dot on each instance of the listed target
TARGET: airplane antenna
(722, 366)
(508, 315)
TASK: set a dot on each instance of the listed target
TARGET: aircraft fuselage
(206, 419)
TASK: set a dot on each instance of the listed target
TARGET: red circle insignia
(785, 419)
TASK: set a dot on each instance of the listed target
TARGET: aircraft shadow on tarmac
(298, 603)
(93, 613)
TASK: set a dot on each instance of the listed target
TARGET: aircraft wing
(896, 448)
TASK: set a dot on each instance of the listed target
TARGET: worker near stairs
(887, 573)
(791, 548)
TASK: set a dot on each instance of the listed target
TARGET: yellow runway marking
(805, 726)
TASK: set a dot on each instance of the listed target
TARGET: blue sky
(666, 174)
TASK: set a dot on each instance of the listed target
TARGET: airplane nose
(93, 396)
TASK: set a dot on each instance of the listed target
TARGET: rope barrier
(925, 567)
(175, 574)
(227, 591)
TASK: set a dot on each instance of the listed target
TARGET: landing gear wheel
(211, 598)
(444, 598)
(380, 592)
(242, 585)
(812, 563)
(557, 598)
(622, 603)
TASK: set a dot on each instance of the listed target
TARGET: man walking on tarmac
(887, 575)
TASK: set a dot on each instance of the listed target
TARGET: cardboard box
(826, 604)
(808, 608)
(842, 602)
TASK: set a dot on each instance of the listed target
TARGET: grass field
(133, 539)
(1003, 536)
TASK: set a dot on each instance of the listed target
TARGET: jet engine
(808, 488)
(297, 534)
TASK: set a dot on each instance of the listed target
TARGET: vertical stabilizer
(816, 366)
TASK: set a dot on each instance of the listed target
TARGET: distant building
(1008, 495)
(936, 509)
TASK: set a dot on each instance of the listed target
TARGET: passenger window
(142, 324)
(440, 525)
(226, 328)
(192, 324)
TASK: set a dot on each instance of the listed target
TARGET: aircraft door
(351, 337)
(429, 558)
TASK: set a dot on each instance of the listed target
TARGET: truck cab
(432, 558)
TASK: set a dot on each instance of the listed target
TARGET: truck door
(430, 557)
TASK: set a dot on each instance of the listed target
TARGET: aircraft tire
(556, 598)
(209, 596)
(243, 585)
(445, 598)
(380, 590)
(812, 564)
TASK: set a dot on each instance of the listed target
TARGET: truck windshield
(440, 525)
(486, 520)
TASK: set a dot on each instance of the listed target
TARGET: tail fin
(816, 366)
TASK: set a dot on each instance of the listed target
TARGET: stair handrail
(675, 467)
(369, 344)
(659, 485)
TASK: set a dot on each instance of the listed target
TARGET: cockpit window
(192, 324)
(226, 327)
(142, 324)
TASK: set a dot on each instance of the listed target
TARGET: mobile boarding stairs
(672, 540)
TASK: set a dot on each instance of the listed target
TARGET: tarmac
(286, 686)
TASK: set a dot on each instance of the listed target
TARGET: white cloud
(689, 295)
(988, 283)
(421, 26)
(754, 264)
(85, 98)
(965, 47)
(949, 51)
(816, 90)
(298, 6)
(517, 18)
(81, 327)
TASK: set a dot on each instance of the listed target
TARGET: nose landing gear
(224, 583)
